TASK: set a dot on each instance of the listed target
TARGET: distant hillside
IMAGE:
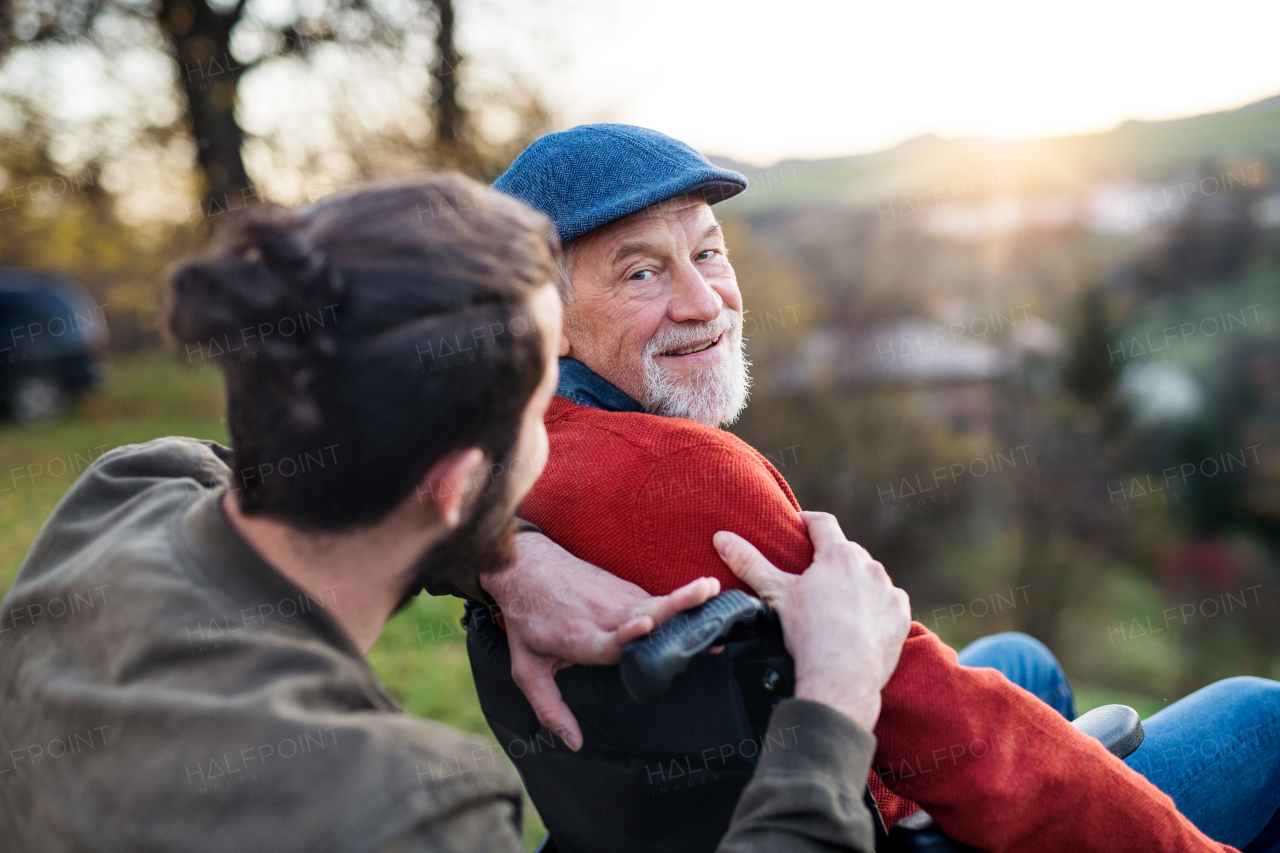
(965, 169)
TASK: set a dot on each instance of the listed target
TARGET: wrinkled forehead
(686, 214)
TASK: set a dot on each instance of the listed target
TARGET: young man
(184, 659)
(651, 363)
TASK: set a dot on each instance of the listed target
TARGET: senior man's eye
(641, 275)
(704, 255)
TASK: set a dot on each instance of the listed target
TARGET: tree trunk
(454, 146)
(450, 119)
(209, 76)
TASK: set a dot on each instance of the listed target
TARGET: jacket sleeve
(490, 827)
(806, 793)
(688, 495)
(966, 744)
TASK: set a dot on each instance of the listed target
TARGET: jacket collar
(585, 387)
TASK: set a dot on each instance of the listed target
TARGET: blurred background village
(1038, 379)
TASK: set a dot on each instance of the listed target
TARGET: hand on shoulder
(843, 619)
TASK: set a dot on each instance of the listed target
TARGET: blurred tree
(1214, 239)
(452, 127)
(214, 45)
(1090, 375)
(1080, 432)
(113, 187)
(856, 271)
(200, 41)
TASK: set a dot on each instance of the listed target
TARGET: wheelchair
(651, 665)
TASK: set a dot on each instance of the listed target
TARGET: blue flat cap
(594, 174)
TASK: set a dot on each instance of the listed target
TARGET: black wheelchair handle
(651, 663)
(1117, 727)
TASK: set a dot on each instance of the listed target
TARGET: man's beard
(715, 396)
(484, 543)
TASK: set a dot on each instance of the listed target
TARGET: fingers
(827, 538)
(604, 648)
(824, 532)
(904, 608)
(904, 601)
(661, 608)
(751, 567)
(899, 628)
(535, 678)
(653, 612)
(634, 630)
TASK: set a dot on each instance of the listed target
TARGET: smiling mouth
(695, 348)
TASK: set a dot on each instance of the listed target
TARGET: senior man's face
(658, 313)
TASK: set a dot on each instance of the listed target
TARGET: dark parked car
(53, 341)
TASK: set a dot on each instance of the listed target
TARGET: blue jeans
(1215, 752)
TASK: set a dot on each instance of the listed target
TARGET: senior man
(639, 479)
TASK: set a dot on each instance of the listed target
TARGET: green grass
(1089, 697)
(144, 398)
(421, 655)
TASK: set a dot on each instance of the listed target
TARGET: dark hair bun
(259, 292)
(261, 273)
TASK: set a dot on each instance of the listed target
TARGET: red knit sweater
(641, 496)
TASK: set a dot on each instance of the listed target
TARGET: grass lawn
(421, 655)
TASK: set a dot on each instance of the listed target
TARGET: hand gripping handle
(651, 663)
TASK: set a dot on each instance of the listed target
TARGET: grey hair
(564, 267)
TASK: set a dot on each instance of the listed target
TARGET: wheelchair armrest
(1117, 727)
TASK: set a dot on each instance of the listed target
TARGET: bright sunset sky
(810, 78)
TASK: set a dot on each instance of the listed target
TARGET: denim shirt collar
(585, 387)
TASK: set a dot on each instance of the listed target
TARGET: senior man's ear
(452, 484)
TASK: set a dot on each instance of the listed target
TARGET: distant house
(949, 373)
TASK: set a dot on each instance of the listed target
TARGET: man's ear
(449, 483)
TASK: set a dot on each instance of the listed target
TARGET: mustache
(679, 337)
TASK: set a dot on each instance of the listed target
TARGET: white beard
(715, 396)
